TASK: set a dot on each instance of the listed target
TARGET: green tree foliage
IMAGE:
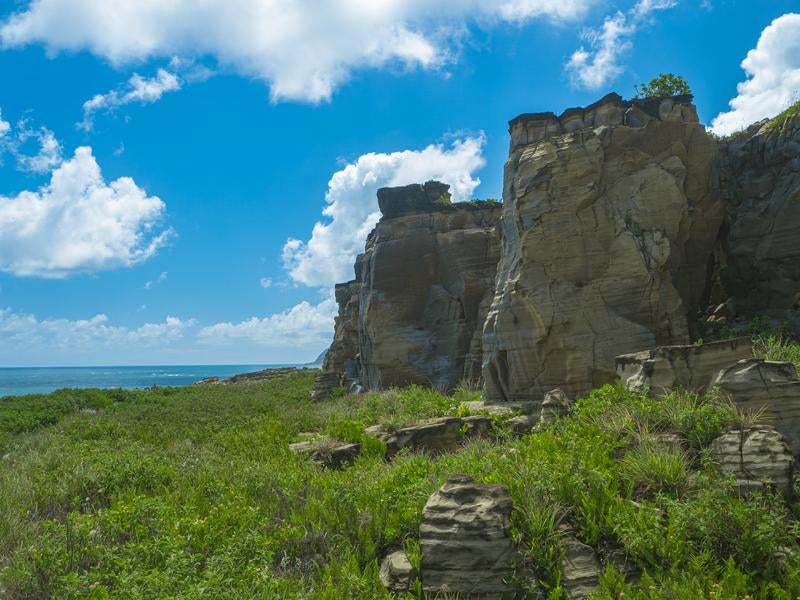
(666, 84)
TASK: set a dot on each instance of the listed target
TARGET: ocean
(38, 380)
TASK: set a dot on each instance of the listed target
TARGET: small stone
(396, 572)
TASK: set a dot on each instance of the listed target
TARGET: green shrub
(651, 469)
(666, 84)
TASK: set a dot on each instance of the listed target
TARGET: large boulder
(759, 262)
(755, 457)
(415, 312)
(465, 540)
(761, 385)
(609, 221)
(693, 367)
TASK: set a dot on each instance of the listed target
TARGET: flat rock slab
(465, 539)
(667, 368)
(326, 452)
(435, 437)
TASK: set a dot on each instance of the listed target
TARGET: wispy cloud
(597, 64)
(154, 282)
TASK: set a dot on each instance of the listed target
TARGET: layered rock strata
(415, 311)
(755, 457)
(772, 388)
(759, 173)
(465, 540)
(609, 220)
(694, 367)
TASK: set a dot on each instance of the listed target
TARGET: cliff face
(759, 173)
(622, 225)
(609, 220)
(423, 286)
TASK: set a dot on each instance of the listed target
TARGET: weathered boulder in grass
(556, 404)
(772, 387)
(397, 574)
(580, 567)
(666, 368)
(328, 453)
(756, 457)
(465, 540)
(436, 436)
(606, 234)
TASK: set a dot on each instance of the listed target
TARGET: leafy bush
(666, 84)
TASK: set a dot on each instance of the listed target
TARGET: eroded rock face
(760, 181)
(756, 384)
(755, 457)
(423, 286)
(465, 540)
(667, 368)
(607, 231)
(341, 358)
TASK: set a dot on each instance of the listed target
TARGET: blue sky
(165, 168)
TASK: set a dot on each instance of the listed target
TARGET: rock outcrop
(423, 286)
(609, 221)
(465, 540)
(755, 457)
(580, 567)
(327, 452)
(759, 264)
(694, 367)
(324, 385)
(556, 404)
(434, 437)
(772, 387)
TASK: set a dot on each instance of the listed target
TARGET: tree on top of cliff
(666, 84)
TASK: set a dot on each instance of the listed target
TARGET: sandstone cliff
(609, 220)
(415, 312)
(759, 172)
(623, 225)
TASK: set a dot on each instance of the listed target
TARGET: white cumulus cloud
(773, 77)
(23, 331)
(597, 66)
(304, 49)
(138, 89)
(78, 222)
(352, 207)
(305, 324)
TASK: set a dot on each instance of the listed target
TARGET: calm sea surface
(18, 381)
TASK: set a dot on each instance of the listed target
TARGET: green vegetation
(666, 84)
(790, 112)
(193, 493)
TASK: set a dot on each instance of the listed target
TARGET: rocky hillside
(624, 226)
